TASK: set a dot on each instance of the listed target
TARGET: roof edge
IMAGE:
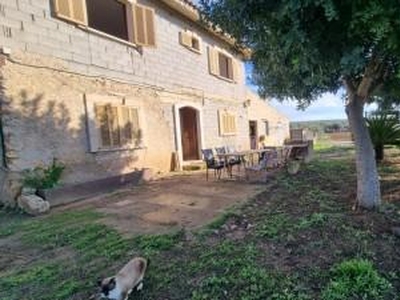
(190, 11)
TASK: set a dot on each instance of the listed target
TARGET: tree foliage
(303, 48)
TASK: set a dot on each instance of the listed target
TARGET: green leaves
(384, 129)
(44, 177)
(356, 279)
(303, 48)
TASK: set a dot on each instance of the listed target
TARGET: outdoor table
(299, 150)
(240, 155)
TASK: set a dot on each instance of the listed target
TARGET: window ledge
(225, 79)
(108, 36)
(128, 148)
(229, 134)
(192, 49)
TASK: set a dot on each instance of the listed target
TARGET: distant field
(318, 126)
(339, 136)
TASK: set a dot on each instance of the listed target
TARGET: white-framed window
(113, 123)
(118, 126)
(223, 65)
(190, 40)
(122, 19)
(227, 123)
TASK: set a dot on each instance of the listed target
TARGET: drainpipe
(3, 53)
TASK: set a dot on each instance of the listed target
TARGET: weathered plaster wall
(260, 111)
(44, 117)
(54, 65)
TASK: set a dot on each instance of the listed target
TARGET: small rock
(28, 191)
(396, 231)
(33, 205)
(249, 226)
(147, 175)
(189, 236)
(233, 227)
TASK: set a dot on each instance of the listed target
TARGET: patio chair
(212, 163)
(272, 159)
(286, 153)
(260, 169)
(230, 161)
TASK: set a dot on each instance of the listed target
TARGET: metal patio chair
(212, 163)
(230, 160)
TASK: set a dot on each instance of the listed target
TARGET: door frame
(178, 133)
(256, 129)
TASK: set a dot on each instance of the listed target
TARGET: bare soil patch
(170, 203)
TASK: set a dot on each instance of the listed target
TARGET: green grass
(297, 240)
(356, 279)
(88, 249)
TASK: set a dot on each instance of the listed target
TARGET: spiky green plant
(384, 130)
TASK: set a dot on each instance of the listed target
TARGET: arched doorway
(189, 120)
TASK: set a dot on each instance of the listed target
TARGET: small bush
(356, 279)
(44, 177)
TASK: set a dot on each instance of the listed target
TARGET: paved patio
(169, 203)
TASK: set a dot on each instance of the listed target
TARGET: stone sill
(101, 150)
(108, 36)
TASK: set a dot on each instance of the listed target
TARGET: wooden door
(253, 134)
(189, 132)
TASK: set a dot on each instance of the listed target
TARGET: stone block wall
(29, 26)
(54, 69)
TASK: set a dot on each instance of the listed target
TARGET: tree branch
(373, 76)
(350, 88)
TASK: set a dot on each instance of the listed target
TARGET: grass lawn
(298, 240)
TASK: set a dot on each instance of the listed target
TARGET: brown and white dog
(130, 277)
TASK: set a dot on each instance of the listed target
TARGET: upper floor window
(119, 18)
(190, 40)
(223, 65)
(108, 16)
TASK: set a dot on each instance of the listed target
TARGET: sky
(327, 107)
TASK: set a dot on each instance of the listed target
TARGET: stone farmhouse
(113, 86)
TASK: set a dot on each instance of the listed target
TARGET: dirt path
(163, 205)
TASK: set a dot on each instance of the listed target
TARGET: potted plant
(293, 166)
(42, 179)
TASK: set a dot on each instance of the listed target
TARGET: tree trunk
(368, 187)
(379, 154)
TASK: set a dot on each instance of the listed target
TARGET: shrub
(44, 177)
(356, 279)
(384, 130)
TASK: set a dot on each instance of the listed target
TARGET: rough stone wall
(44, 118)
